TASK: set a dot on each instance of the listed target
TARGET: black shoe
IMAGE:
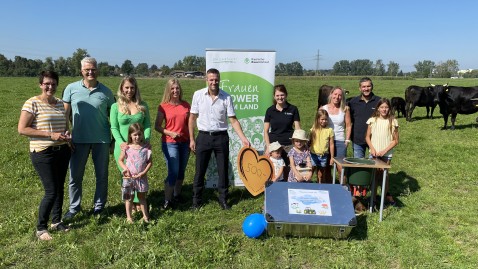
(224, 205)
(97, 211)
(60, 227)
(69, 215)
(178, 199)
(167, 205)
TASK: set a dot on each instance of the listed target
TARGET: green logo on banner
(251, 94)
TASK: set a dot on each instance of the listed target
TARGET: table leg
(333, 175)
(342, 173)
(384, 181)
(372, 192)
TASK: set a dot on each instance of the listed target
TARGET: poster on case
(248, 76)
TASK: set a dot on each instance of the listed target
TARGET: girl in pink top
(135, 161)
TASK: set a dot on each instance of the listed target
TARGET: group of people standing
(366, 122)
(96, 116)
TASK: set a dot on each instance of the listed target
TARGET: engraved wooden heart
(254, 170)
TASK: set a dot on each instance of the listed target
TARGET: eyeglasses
(49, 84)
(89, 70)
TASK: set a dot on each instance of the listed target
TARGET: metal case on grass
(309, 210)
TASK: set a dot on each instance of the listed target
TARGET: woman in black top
(280, 121)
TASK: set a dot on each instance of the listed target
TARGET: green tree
(393, 68)
(289, 69)
(153, 68)
(178, 65)
(361, 67)
(294, 69)
(342, 68)
(117, 70)
(62, 67)
(447, 69)
(48, 64)
(280, 69)
(105, 70)
(127, 67)
(191, 63)
(23, 67)
(142, 69)
(379, 68)
(5, 66)
(75, 62)
(424, 68)
(165, 70)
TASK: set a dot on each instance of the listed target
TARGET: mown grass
(433, 178)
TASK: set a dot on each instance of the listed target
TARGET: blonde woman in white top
(339, 121)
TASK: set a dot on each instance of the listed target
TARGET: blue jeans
(359, 150)
(51, 165)
(177, 155)
(340, 149)
(100, 155)
(320, 160)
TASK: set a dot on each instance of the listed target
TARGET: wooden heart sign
(254, 170)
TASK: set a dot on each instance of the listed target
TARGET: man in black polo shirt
(361, 109)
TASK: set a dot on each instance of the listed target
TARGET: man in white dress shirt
(210, 109)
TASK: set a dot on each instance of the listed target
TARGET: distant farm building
(464, 71)
(187, 74)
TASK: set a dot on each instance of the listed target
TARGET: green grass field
(433, 178)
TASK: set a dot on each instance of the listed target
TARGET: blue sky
(163, 32)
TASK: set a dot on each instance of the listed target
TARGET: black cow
(456, 100)
(323, 96)
(398, 104)
(324, 92)
(419, 96)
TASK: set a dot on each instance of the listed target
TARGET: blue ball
(254, 225)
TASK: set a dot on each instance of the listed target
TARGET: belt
(213, 133)
(57, 148)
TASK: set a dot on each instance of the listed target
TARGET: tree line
(71, 66)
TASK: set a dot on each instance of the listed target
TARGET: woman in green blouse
(127, 110)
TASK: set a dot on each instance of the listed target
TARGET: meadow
(433, 178)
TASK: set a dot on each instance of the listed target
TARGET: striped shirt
(382, 136)
(48, 118)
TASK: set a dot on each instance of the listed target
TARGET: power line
(317, 66)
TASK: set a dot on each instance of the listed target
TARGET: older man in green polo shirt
(89, 102)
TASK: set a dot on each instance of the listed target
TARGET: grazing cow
(419, 96)
(455, 100)
(323, 96)
(398, 104)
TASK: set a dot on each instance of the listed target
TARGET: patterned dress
(299, 157)
(136, 162)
